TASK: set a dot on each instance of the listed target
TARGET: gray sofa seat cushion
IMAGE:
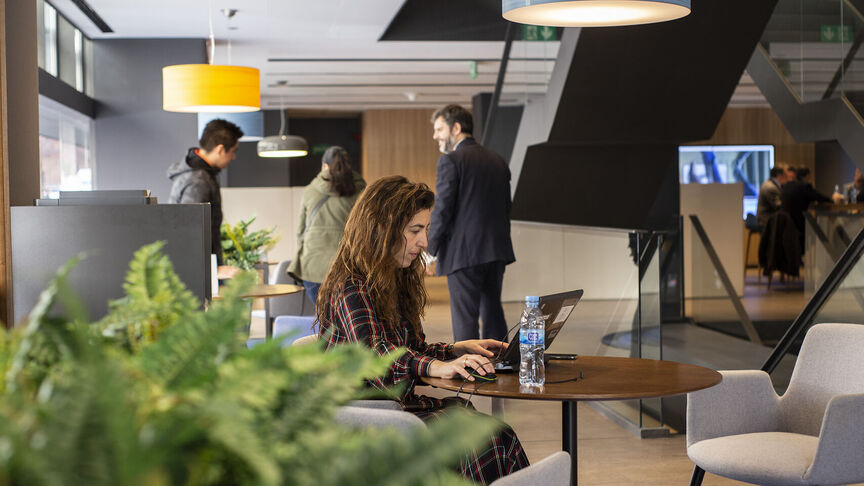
(768, 458)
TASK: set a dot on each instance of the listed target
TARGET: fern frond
(155, 299)
(187, 354)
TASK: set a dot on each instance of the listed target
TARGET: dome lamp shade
(593, 13)
(283, 146)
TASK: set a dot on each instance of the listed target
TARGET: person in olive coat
(327, 200)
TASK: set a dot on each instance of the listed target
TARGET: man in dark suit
(797, 196)
(769, 195)
(470, 230)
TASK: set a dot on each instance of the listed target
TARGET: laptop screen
(556, 308)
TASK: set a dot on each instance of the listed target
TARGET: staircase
(811, 71)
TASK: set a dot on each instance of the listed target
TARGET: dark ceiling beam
(94, 17)
(447, 20)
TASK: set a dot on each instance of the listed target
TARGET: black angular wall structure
(630, 96)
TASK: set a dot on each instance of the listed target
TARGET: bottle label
(532, 337)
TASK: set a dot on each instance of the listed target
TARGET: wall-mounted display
(727, 164)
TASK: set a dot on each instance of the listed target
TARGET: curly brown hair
(374, 233)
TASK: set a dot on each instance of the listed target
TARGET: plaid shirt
(353, 319)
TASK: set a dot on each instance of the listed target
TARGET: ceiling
(326, 54)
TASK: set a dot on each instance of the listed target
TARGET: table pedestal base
(568, 436)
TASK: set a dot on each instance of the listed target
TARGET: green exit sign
(836, 33)
(539, 33)
(319, 148)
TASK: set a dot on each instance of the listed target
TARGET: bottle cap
(532, 299)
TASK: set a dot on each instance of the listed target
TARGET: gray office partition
(44, 238)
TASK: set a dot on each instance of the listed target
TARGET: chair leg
(697, 476)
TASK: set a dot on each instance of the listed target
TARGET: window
(49, 39)
(65, 142)
(64, 52)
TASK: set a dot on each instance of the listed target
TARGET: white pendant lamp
(251, 123)
(593, 13)
(282, 145)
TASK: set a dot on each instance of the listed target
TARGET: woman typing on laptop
(374, 294)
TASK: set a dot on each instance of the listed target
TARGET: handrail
(499, 83)
(749, 328)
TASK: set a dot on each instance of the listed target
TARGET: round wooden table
(266, 291)
(593, 378)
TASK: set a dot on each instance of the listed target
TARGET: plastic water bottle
(532, 336)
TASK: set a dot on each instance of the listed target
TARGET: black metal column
(568, 436)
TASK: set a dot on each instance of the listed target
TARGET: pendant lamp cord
(281, 115)
(212, 37)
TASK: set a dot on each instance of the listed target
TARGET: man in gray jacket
(194, 180)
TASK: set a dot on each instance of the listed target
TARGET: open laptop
(556, 308)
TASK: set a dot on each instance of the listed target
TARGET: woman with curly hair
(374, 294)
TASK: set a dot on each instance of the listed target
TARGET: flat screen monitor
(727, 164)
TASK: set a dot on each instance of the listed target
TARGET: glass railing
(630, 281)
(636, 330)
(839, 295)
(829, 233)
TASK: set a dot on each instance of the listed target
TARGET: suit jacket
(768, 202)
(471, 218)
(797, 197)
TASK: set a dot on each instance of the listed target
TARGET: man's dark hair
(801, 173)
(456, 114)
(220, 132)
(776, 171)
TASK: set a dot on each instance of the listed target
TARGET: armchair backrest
(280, 274)
(361, 417)
(288, 305)
(830, 363)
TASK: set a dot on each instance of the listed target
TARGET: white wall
(271, 206)
(719, 208)
(556, 258)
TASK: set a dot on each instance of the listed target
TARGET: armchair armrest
(743, 402)
(380, 404)
(840, 455)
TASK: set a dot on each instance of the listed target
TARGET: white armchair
(812, 435)
(551, 471)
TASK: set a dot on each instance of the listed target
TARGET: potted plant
(160, 392)
(242, 248)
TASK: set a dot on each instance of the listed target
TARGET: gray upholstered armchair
(812, 435)
(551, 471)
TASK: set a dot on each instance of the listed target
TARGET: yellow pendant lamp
(211, 88)
(194, 88)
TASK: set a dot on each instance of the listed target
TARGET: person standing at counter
(853, 192)
(769, 195)
(470, 233)
(797, 195)
(194, 179)
(327, 201)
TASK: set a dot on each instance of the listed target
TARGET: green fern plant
(160, 392)
(242, 248)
